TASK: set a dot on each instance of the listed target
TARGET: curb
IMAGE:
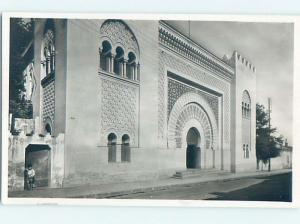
(115, 194)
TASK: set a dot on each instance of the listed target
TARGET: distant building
(285, 160)
(122, 100)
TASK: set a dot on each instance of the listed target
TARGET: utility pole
(269, 140)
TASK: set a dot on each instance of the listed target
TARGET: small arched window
(48, 129)
(48, 53)
(125, 149)
(246, 105)
(119, 61)
(106, 56)
(125, 139)
(131, 67)
(248, 110)
(247, 152)
(112, 139)
(243, 109)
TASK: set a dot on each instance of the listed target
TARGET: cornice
(175, 41)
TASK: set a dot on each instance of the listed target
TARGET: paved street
(259, 185)
(272, 188)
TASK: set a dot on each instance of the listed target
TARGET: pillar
(112, 59)
(124, 68)
(47, 65)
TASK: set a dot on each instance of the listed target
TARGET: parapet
(243, 60)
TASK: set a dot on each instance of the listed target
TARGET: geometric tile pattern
(48, 102)
(119, 109)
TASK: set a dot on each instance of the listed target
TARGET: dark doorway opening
(193, 152)
(38, 156)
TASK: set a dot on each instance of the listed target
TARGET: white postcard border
(144, 202)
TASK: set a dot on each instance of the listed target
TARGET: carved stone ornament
(118, 33)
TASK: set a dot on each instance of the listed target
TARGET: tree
(21, 33)
(268, 145)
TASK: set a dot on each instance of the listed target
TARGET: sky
(269, 47)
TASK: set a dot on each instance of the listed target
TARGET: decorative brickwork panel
(177, 89)
(197, 74)
(119, 109)
(48, 102)
(119, 33)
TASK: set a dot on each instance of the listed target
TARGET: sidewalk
(115, 189)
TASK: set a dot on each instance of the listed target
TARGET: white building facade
(136, 100)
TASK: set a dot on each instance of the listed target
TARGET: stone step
(189, 173)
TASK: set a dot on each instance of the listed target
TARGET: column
(108, 64)
(121, 67)
(53, 60)
(242, 109)
(100, 52)
(124, 68)
(112, 60)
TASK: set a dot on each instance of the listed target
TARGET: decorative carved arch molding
(192, 110)
(118, 34)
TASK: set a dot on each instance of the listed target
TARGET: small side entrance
(38, 156)
(193, 151)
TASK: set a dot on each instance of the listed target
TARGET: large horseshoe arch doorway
(192, 126)
(193, 151)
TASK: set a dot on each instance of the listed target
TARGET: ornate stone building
(138, 100)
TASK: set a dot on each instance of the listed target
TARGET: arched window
(125, 139)
(112, 147)
(247, 152)
(48, 50)
(119, 61)
(105, 56)
(246, 104)
(48, 129)
(131, 67)
(248, 110)
(125, 149)
(124, 61)
(246, 123)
